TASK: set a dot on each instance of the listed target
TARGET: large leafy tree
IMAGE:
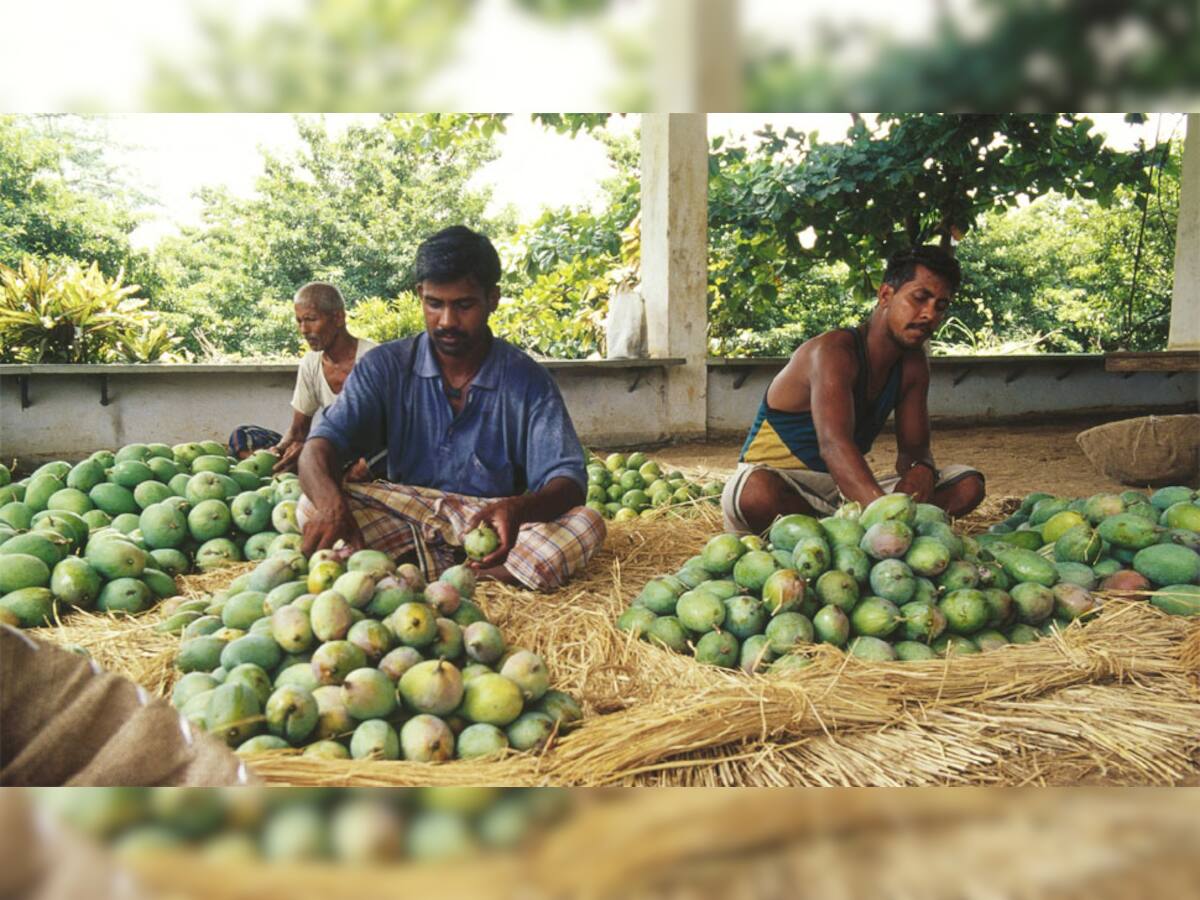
(60, 200)
(332, 55)
(1070, 276)
(912, 179)
(349, 208)
(991, 55)
(567, 262)
(799, 229)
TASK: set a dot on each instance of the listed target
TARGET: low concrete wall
(613, 403)
(65, 417)
(981, 389)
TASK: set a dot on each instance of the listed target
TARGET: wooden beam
(1163, 361)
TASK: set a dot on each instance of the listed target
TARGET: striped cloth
(401, 519)
(248, 438)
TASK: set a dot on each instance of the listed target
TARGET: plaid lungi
(401, 519)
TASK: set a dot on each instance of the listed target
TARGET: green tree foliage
(331, 55)
(60, 200)
(382, 320)
(1061, 272)
(69, 314)
(359, 55)
(914, 179)
(350, 209)
(799, 231)
(567, 263)
(991, 54)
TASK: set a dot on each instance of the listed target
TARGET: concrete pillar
(1185, 298)
(698, 60)
(675, 260)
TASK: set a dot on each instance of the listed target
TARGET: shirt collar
(488, 375)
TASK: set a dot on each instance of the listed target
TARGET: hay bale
(1149, 450)
(755, 843)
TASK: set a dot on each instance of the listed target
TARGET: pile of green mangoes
(1134, 543)
(894, 581)
(113, 531)
(359, 659)
(624, 487)
(290, 825)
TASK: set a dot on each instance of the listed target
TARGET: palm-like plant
(154, 343)
(69, 314)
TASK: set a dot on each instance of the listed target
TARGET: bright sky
(102, 60)
(176, 154)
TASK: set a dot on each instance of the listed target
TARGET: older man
(476, 432)
(333, 351)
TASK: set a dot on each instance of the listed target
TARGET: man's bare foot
(497, 573)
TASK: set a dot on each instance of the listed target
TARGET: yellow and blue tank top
(788, 440)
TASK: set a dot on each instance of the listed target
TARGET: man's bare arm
(914, 459)
(292, 442)
(912, 416)
(832, 400)
(331, 520)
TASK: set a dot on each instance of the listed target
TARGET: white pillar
(675, 260)
(1185, 299)
(698, 60)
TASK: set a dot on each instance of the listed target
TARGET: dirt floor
(1014, 459)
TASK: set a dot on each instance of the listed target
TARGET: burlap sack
(65, 722)
(41, 861)
(1146, 451)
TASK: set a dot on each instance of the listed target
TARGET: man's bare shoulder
(826, 358)
(831, 348)
(915, 365)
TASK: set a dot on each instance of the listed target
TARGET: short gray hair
(321, 294)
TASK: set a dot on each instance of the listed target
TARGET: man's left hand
(506, 518)
(359, 472)
(918, 482)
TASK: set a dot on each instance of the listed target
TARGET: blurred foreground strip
(756, 843)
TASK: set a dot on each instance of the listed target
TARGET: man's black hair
(902, 266)
(458, 252)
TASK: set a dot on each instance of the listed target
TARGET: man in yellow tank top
(806, 452)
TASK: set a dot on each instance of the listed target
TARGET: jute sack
(1147, 450)
(40, 861)
(64, 721)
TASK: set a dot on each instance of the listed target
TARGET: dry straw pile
(765, 844)
(1112, 702)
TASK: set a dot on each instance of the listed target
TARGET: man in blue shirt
(476, 432)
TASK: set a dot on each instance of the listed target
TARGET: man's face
(318, 328)
(915, 310)
(456, 314)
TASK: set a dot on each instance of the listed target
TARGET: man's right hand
(328, 524)
(289, 455)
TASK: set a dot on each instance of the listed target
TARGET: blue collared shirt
(513, 434)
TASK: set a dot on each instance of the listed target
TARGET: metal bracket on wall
(23, 381)
(104, 398)
(637, 379)
(740, 378)
(960, 377)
